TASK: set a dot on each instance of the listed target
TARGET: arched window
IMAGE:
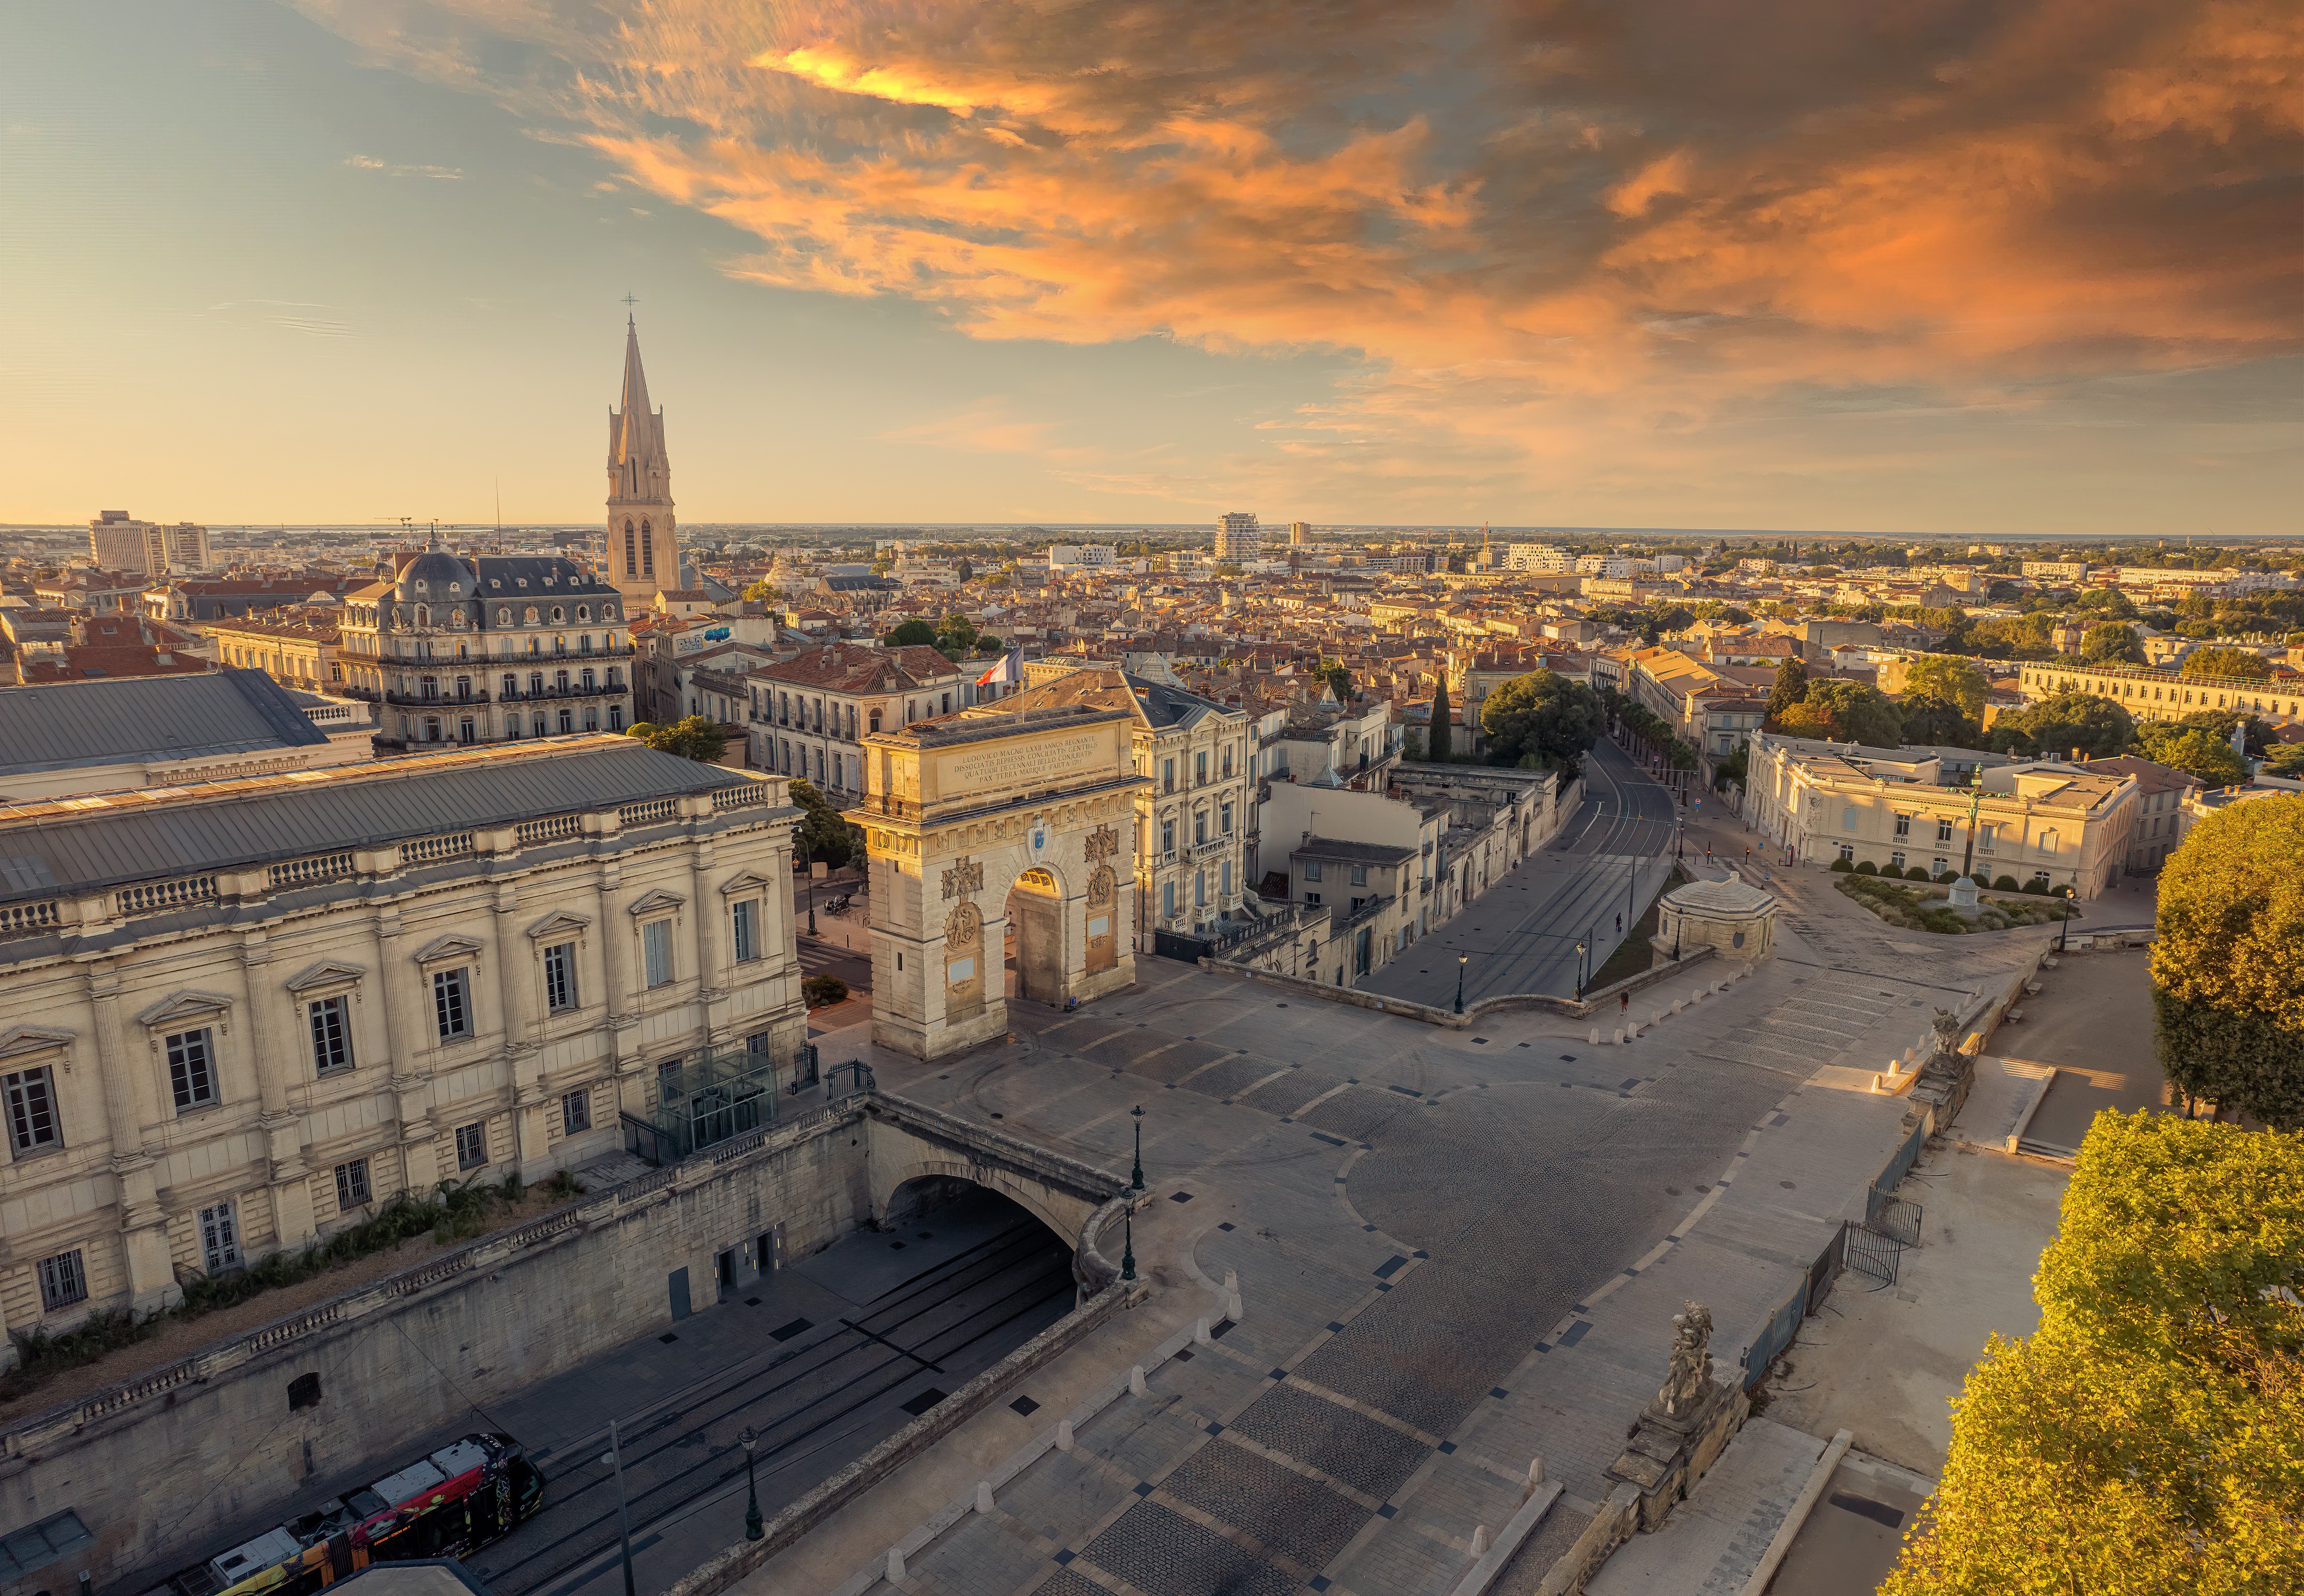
(558, 615)
(423, 615)
(504, 617)
(628, 568)
(608, 612)
(583, 612)
(531, 614)
(647, 550)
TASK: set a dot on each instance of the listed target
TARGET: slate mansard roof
(74, 845)
(112, 721)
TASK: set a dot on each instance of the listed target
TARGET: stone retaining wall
(1592, 1004)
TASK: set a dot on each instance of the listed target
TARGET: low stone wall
(1592, 1004)
(788, 1526)
(180, 1461)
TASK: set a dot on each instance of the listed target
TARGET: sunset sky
(1904, 265)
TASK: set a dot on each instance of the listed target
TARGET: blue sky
(900, 262)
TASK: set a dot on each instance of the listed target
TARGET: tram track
(924, 1324)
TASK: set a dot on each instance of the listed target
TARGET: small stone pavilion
(1733, 916)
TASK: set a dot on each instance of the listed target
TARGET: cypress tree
(1442, 738)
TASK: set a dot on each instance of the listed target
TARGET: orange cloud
(1538, 223)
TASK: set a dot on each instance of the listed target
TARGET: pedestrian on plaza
(1624, 1005)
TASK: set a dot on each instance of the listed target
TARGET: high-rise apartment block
(1239, 538)
(1537, 556)
(1299, 532)
(118, 542)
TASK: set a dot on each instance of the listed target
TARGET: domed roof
(443, 576)
(1734, 896)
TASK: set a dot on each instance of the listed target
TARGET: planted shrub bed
(1923, 908)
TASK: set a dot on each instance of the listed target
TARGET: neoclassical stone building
(236, 1016)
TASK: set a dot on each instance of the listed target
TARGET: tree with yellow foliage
(2149, 1437)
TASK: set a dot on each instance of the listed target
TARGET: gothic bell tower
(642, 553)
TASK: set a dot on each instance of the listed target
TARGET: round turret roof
(443, 577)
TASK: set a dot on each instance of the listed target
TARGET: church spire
(643, 553)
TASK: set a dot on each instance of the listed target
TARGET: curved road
(1594, 880)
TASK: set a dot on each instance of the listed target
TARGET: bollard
(1596, 1036)
(1201, 1330)
(895, 1564)
(984, 1496)
(1535, 1470)
(1231, 1295)
(1479, 1539)
(1136, 1380)
(1064, 1435)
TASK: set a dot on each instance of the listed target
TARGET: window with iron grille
(452, 1004)
(192, 1068)
(351, 1184)
(655, 948)
(471, 1145)
(63, 1281)
(332, 1042)
(560, 976)
(743, 917)
(575, 1113)
(31, 1110)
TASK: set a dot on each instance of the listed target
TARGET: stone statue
(1947, 1029)
(1689, 1381)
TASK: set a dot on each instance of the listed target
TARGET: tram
(445, 1505)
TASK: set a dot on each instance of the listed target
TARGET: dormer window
(421, 587)
(531, 614)
(495, 582)
(583, 612)
(456, 589)
(558, 615)
(548, 581)
(608, 612)
(523, 581)
(504, 617)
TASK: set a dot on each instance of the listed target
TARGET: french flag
(1008, 670)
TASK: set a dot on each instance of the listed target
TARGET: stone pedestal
(1668, 1453)
(1963, 894)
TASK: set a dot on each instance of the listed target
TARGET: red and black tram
(452, 1502)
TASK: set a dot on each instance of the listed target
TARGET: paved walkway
(1714, 1541)
(1456, 1251)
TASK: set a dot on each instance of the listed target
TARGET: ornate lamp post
(752, 1528)
(1461, 960)
(1136, 1175)
(1579, 971)
(808, 870)
(1128, 1257)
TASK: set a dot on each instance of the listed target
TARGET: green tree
(2228, 966)
(1543, 713)
(2052, 728)
(694, 738)
(2285, 760)
(2114, 642)
(1948, 676)
(762, 591)
(913, 633)
(1929, 721)
(1444, 724)
(1790, 688)
(2149, 1437)
(955, 638)
(1854, 713)
(822, 835)
(2195, 750)
(965, 571)
(2227, 662)
(1340, 681)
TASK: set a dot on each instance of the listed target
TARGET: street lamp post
(1128, 1257)
(753, 1529)
(623, 1511)
(1975, 802)
(1461, 960)
(1579, 972)
(1136, 1175)
(2072, 893)
(808, 870)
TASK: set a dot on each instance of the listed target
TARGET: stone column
(143, 1226)
(290, 1193)
(614, 929)
(410, 1086)
(515, 978)
(712, 978)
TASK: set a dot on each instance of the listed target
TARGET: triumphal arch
(1003, 859)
